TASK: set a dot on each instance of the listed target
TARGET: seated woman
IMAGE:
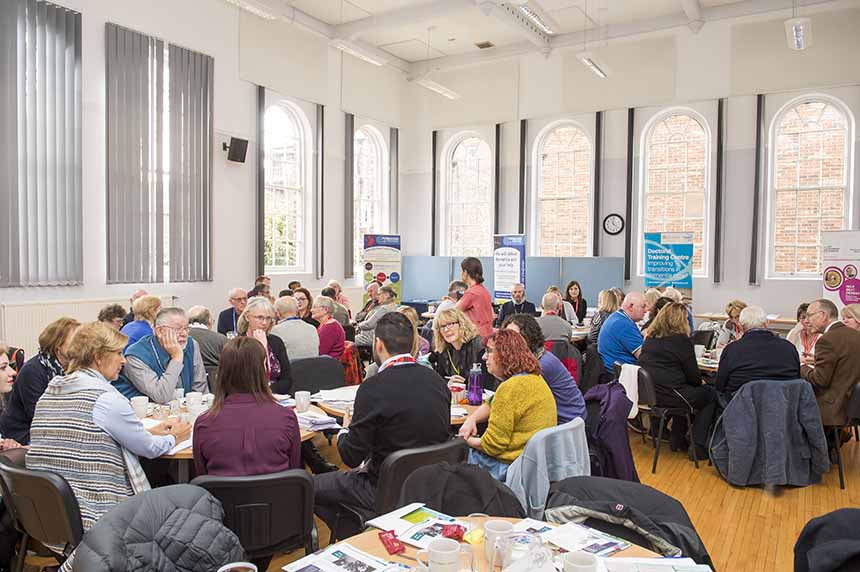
(145, 310)
(661, 303)
(522, 406)
(607, 304)
(569, 403)
(331, 334)
(246, 432)
(256, 322)
(731, 329)
(457, 348)
(668, 356)
(851, 316)
(802, 335)
(573, 296)
(567, 312)
(422, 346)
(7, 374)
(303, 301)
(82, 412)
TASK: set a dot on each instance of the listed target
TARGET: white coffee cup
(580, 562)
(493, 529)
(239, 567)
(445, 555)
(700, 351)
(140, 405)
(193, 399)
(303, 401)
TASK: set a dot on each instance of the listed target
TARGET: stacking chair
(852, 419)
(393, 473)
(269, 513)
(42, 504)
(705, 338)
(648, 405)
(316, 373)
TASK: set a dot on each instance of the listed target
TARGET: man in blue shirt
(620, 340)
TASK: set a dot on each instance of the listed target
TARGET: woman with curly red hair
(522, 406)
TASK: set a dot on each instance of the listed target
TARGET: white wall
(731, 59)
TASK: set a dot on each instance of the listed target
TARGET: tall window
(286, 188)
(675, 189)
(369, 209)
(469, 205)
(563, 192)
(810, 190)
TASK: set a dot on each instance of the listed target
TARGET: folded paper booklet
(415, 524)
(340, 557)
(573, 537)
(316, 421)
(653, 565)
(340, 394)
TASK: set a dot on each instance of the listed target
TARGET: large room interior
(168, 152)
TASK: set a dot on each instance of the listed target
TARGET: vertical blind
(40, 138)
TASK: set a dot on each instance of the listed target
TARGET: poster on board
(383, 261)
(509, 264)
(840, 255)
(669, 260)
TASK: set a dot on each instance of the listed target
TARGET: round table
(369, 542)
(337, 412)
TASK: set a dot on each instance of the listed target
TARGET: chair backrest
(269, 513)
(315, 373)
(400, 464)
(852, 405)
(647, 392)
(42, 503)
(704, 338)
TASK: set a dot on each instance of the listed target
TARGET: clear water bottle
(475, 388)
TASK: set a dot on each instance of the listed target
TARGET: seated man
(403, 406)
(229, 318)
(516, 305)
(341, 314)
(552, 325)
(386, 305)
(372, 290)
(300, 338)
(759, 354)
(161, 363)
(835, 368)
(210, 342)
(620, 340)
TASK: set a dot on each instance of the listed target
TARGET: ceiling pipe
(693, 11)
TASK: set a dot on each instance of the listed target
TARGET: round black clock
(613, 223)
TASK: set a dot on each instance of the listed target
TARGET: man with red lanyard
(476, 303)
(404, 405)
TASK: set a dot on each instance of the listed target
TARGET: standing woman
(145, 309)
(457, 347)
(303, 301)
(573, 295)
(607, 303)
(256, 322)
(50, 362)
(476, 302)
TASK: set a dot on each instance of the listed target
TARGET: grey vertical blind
(40, 138)
(348, 195)
(191, 134)
(394, 179)
(135, 156)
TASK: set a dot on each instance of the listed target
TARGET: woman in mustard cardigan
(522, 406)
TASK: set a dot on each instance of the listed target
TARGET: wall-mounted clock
(613, 224)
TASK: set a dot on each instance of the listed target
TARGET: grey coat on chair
(170, 529)
(771, 434)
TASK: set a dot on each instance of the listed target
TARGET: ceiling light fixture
(358, 51)
(798, 31)
(537, 19)
(589, 61)
(256, 8)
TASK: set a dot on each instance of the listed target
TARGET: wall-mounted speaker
(236, 150)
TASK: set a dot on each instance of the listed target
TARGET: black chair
(316, 373)
(269, 513)
(852, 420)
(648, 404)
(704, 338)
(393, 473)
(42, 504)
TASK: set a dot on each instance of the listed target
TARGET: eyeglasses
(448, 326)
(261, 318)
(180, 330)
(300, 298)
(810, 314)
(242, 299)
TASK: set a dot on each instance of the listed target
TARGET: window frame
(535, 191)
(644, 155)
(447, 180)
(770, 237)
(307, 166)
(383, 180)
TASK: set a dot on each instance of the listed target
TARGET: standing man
(228, 319)
(130, 316)
(516, 305)
(620, 340)
(835, 367)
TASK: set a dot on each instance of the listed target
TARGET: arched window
(469, 199)
(675, 185)
(370, 183)
(810, 184)
(563, 214)
(286, 188)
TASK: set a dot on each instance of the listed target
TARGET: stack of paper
(653, 565)
(313, 421)
(339, 557)
(415, 524)
(573, 537)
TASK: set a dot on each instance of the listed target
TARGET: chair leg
(312, 544)
(22, 553)
(642, 423)
(857, 433)
(837, 443)
(690, 437)
(659, 439)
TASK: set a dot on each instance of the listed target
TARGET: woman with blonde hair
(732, 327)
(669, 357)
(457, 347)
(145, 310)
(82, 412)
(256, 322)
(851, 316)
(607, 303)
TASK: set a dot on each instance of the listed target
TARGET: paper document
(149, 423)
(572, 537)
(340, 394)
(653, 565)
(458, 411)
(340, 557)
(314, 421)
(181, 446)
(415, 524)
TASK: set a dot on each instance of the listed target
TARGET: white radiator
(22, 322)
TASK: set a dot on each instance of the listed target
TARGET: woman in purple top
(331, 334)
(246, 432)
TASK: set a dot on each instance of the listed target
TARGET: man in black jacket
(403, 406)
(759, 354)
(516, 305)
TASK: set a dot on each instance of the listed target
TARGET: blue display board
(668, 259)
(593, 275)
(426, 277)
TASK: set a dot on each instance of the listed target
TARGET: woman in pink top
(476, 302)
(331, 334)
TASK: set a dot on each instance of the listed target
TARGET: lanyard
(397, 361)
(451, 361)
(807, 347)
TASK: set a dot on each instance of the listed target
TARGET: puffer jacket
(169, 529)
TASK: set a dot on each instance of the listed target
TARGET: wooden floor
(744, 529)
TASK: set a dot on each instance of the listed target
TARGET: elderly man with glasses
(228, 319)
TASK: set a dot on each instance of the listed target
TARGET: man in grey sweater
(300, 338)
(553, 326)
(364, 330)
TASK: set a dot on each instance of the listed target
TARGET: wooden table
(778, 323)
(369, 542)
(336, 412)
(185, 458)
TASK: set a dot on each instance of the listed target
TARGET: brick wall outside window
(469, 208)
